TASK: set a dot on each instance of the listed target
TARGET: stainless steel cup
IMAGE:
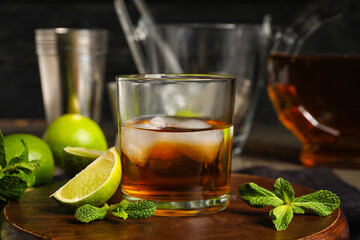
(72, 67)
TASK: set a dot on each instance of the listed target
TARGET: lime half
(94, 185)
(73, 130)
(78, 158)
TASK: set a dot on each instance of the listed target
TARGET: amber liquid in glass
(317, 98)
(175, 159)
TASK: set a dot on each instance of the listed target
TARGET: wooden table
(261, 149)
(36, 216)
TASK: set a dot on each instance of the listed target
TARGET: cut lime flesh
(76, 190)
(94, 185)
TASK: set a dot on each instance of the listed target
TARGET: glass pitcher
(314, 83)
(235, 49)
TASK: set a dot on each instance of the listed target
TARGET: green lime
(73, 130)
(77, 158)
(38, 150)
(94, 185)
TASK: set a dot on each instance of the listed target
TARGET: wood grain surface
(36, 216)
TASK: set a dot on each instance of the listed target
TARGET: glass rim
(67, 30)
(175, 77)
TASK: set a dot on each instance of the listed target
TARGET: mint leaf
(118, 210)
(2, 199)
(23, 158)
(258, 197)
(120, 213)
(23, 170)
(12, 188)
(2, 152)
(88, 213)
(283, 190)
(29, 178)
(281, 216)
(14, 161)
(141, 209)
(321, 203)
(27, 167)
(119, 206)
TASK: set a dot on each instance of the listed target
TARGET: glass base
(187, 208)
(330, 156)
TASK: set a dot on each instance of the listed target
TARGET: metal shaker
(72, 67)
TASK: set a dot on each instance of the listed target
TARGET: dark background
(20, 89)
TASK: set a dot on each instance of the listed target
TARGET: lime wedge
(77, 158)
(94, 185)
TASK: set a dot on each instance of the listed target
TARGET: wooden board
(37, 216)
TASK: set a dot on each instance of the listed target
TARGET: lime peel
(94, 185)
(84, 151)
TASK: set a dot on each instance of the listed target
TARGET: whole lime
(38, 150)
(73, 130)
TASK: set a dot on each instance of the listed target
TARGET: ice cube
(157, 123)
(201, 146)
(186, 123)
(137, 144)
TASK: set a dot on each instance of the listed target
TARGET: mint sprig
(142, 209)
(17, 174)
(321, 203)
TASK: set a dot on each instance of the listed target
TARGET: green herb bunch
(16, 174)
(142, 209)
(321, 203)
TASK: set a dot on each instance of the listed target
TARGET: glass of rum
(176, 134)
